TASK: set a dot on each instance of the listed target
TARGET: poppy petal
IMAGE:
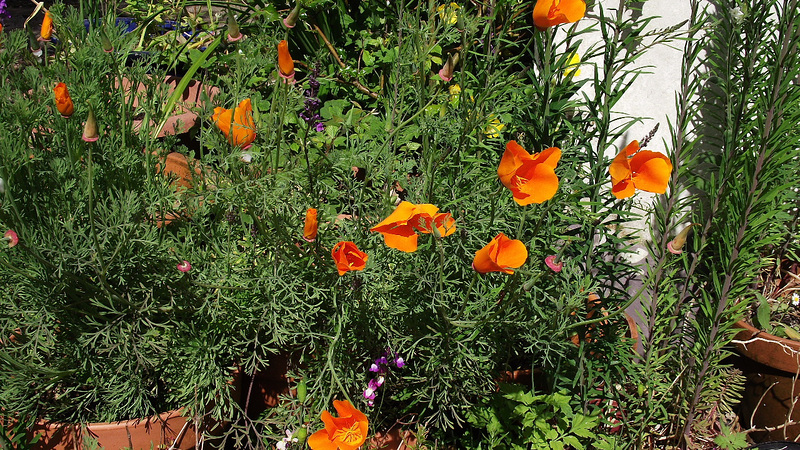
(651, 171)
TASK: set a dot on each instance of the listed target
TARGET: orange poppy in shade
(47, 27)
(500, 255)
(311, 225)
(646, 170)
(400, 229)
(346, 432)
(531, 178)
(548, 13)
(348, 257)
(63, 100)
(244, 129)
(285, 62)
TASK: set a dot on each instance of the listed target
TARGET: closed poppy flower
(285, 62)
(531, 178)
(348, 257)
(311, 225)
(639, 169)
(548, 13)
(244, 129)
(63, 100)
(400, 229)
(346, 432)
(47, 27)
(500, 255)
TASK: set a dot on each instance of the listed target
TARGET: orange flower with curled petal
(244, 128)
(346, 432)
(348, 257)
(548, 13)
(63, 100)
(311, 225)
(646, 170)
(285, 62)
(500, 255)
(531, 178)
(400, 229)
(47, 27)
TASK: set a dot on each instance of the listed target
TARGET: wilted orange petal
(651, 171)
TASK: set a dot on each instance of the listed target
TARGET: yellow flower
(572, 69)
(494, 127)
(448, 13)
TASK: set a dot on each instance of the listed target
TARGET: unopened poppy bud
(302, 391)
(291, 20)
(33, 44)
(233, 28)
(106, 42)
(47, 27)
(446, 72)
(675, 246)
(301, 434)
(285, 62)
(90, 133)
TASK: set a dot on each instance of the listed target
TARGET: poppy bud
(63, 100)
(90, 133)
(233, 28)
(47, 27)
(311, 225)
(107, 46)
(446, 72)
(675, 246)
(301, 434)
(33, 43)
(291, 20)
(302, 391)
(285, 62)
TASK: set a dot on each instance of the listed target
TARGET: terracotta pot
(169, 429)
(183, 118)
(771, 366)
(394, 439)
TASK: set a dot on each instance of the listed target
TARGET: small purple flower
(312, 104)
(4, 10)
(374, 368)
(382, 360)
(399, 362)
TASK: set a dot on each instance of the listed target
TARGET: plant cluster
(446, 187)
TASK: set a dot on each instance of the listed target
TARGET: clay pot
(394, 439)
(168, 430)
(771, 366)
(183, 118)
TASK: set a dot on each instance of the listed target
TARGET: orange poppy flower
(310, 228)
(244, 129)
(63, 100)
(548, 13)
(531, 178)
(500, 255)
(348, 257)
(285, 62)
(400, 229)
(646, 170)
(346, 432)
(47, 27)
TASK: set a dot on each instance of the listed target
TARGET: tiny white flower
(247, 157)
(795, 299)
(2, 186)
(281, 445)
(737, 15)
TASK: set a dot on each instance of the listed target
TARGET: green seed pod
(301, 434)
(302, 391)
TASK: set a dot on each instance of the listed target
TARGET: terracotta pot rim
(163, 417)
(770, 350)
